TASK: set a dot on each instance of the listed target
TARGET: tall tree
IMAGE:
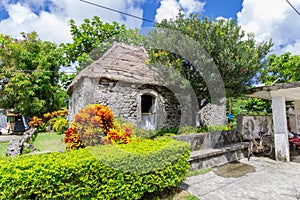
(93, 37)
(29, 75)
(281, 69)
(236, 54)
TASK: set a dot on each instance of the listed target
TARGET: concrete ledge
(207, 158)
(210, 140)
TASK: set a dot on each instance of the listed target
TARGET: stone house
(122, 80)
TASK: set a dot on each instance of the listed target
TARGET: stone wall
(120, 97)
(123, 99)
(213, 149)
(210, 140)
(77, 100)
(16, 146)
(212, 115)
(250, 126)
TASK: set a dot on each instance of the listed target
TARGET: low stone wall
(208, 158)
(16, 146)
(249, 126)
(211, 140)
(213, 149)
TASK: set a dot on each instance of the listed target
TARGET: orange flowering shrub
(72, 139)
(93, 123)
(35, 121)
(121, 133)
(48, 119)
(58, 113)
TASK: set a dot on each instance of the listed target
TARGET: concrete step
(213, 157)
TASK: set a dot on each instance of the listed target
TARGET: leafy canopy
(29, 75)
(281, 69)
(236, 54)
(93, 37)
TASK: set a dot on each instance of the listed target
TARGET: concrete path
(7, 138)
(259, 178)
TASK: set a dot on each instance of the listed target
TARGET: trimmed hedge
(102, 172)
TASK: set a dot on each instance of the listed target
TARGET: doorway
(148, 104)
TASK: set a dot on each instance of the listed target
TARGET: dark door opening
(148, 112)
(147, 103)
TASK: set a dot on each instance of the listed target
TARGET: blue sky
(213, 8)
(267, 19)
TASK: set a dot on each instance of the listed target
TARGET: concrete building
(280, 94)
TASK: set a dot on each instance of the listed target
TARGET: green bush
(167, 131)
(186, 130)
(89, 173)
(60, 125)
(217, 128)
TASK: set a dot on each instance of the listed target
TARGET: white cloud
(272, 19)
(53, 24)
(190, 6)
(169, 9)
(22, 19)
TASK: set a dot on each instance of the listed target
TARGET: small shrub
(121, 133)
(213, 128)
(185, 130)
(60, 125)
(81, 175)
(37, 122)
(164, 131)
(72, 139)
(93, 123)
(141, 133)
(47, 120)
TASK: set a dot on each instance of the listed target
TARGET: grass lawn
(3, 147)
(49, 142)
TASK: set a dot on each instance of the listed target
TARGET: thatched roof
(121, 63)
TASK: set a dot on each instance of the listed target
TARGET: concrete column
(282, 152)
(297, 115)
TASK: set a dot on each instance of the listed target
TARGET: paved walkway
(7, 138)
(259, 178)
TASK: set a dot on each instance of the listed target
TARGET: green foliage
(3, 148)
(79, 175)
(255, 106)
(154, 154)
(60, 125)
(236, 54)
(166, 131)
(185, 130)
(281, 69)
(66, 80)
(199, 172)
(213, 128)
(142, 133)
(191, 197)
(249, 106)
(48, 120)
(93, 37)
(29, 72)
